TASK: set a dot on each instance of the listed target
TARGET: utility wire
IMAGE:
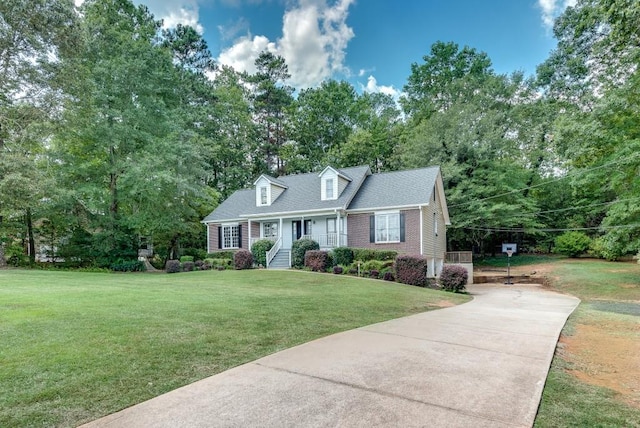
(533, 229)
(578, 172)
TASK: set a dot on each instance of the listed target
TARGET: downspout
(421, 208)
(208, 238)
(249, 232)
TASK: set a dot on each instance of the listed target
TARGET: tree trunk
(31, 242)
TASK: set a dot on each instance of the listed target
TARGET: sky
(369, 43)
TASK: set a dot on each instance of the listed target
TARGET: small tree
(259, 250)
(298, 250)
(572, 244)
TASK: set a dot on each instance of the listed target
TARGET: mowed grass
(610, 294)
(77, 346)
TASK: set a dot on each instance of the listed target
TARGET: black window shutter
(239, 236)
(219, 237)
(402, 228)
(372, 228)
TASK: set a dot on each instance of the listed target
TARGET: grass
(77, 346)
(610, 294)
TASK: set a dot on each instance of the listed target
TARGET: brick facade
(358, 227)
(214, 240)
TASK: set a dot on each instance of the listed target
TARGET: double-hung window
(231, 236)
(388, 227)
(270, 230)
(263, 196)
(329, 189)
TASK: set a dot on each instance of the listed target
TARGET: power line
(533, 229)
(578, 172)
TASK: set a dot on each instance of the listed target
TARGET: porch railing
(459, 257)
(273, 251)
(329, 240)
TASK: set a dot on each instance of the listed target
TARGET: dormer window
(329, 189)
(264, 200)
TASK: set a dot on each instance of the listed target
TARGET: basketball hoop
(509, 253)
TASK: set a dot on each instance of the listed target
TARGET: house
(404, 211)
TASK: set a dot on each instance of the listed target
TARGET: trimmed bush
(127, 266)
(338, 270)
(259, 250)
(194, 253)
(243, 259)
(188, 266)
(316, 260)
(572, 244)
(221, 255)
(374, 274)
(342, 256)
(453, 278)
(366, 254)
(202, 265)
(298, 250)
(412, 270)
(186, 259)
(372, 265)
(173, 266)
(388, 276)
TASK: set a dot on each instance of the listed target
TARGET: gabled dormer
(267, 190)
(332, 183)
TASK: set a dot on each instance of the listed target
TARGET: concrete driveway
(480, 364)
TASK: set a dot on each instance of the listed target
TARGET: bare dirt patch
(608, 355)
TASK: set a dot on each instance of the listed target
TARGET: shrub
(374, 274)
(453, 278)
(298, 250)
(338, 270)
(202, 265)
(343, 256)
(186, 259)
(188, 266)
(316, 260)
(412, 270)
(388, 276)
(259, 250)
(372, 265)
(195, 253)
(221, 255)
(173, 266)
(366, 254)
(243, 259)
(572, 244)
(127, 266)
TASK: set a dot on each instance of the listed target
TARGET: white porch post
(249, 232)
(421, 231)
(280, 229)
(338, 231)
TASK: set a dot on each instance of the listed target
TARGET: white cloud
(551, 9)
(373, 87)
(314, 40)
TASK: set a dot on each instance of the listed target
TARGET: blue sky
(370, 43)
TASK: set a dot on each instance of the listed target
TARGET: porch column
(249, 231)
(280, 229)
(338, 231)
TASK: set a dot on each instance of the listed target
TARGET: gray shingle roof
(396, 189)
(302, 194)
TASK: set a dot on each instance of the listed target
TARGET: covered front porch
(328, 230)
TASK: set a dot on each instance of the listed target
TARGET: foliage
(342, 256)
(316, 260)
(127, 266)
(259, 250)
(243, 259)
(195, 253)
(221, 255)
(453, 278)
(412, 270)
(572, 244)
(173, 266)
(373, 265)
(366, 254)
(338, 269)
(188, 266)
(186, 259)
(298, 250)
(388, 276)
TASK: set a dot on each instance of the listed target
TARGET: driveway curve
(480, 364)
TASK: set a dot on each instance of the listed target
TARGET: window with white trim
(270, 229)
(263, 196)
(329, 189)
(230, 236)
(388, 227)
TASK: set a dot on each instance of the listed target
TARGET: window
(331, 225)
(263, 196)
(230, 236)
(270, 230)
(388, 227)
(329, 188)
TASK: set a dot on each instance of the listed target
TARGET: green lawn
(610, 294)
(77, 346)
